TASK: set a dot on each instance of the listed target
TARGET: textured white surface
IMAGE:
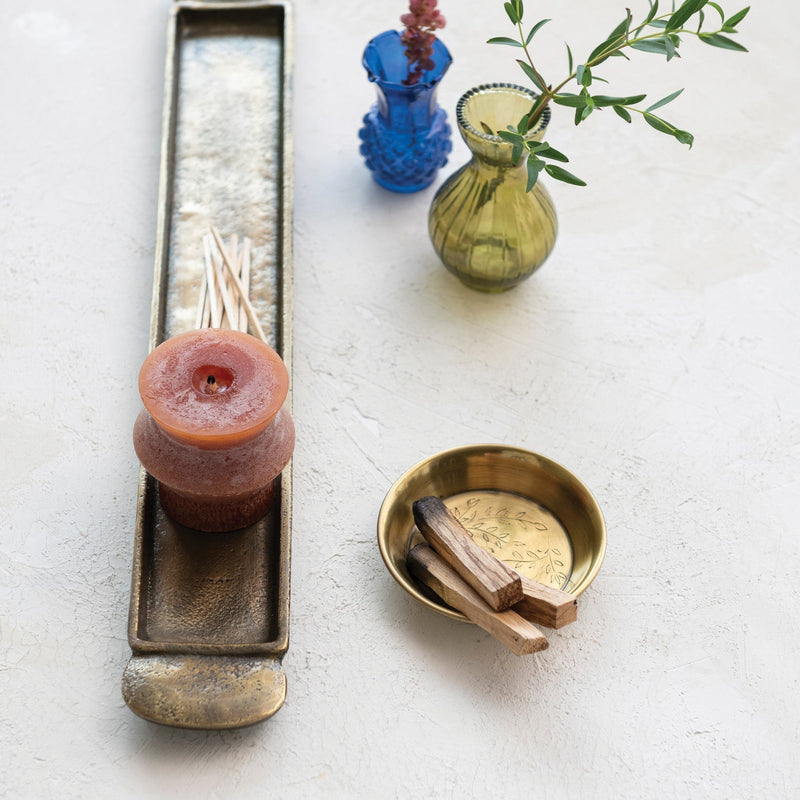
(655, 355)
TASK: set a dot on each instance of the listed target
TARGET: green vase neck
(496, 106)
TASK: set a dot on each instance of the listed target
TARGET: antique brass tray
(209, 613)
(524, 508)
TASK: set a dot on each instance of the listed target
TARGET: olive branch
(658, 34)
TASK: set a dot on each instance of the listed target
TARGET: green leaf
(569, 57)
(651, 46)
(608, 44)
(512, 13)
(504, 40)
(664, 100)
(532, 76)
(670, 47)
(733, 21)
(510, 136)
(551, 153)
(486, 128)
(658, 123)
(613, 41)
(603, 100)
(718, 40)
(684, 137)
(684, 12)
(516, 152)
(535, 166)
(622, 112)
(623, 27)
(583, 75)
(535, 28)
(653, 11)
(718, 9)
(658, 23)
(571, 100)
(560, 174)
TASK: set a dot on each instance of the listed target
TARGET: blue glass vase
(405, 138)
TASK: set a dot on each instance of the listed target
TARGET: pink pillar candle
(214, 432)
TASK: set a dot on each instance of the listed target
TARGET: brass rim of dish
(525, 490)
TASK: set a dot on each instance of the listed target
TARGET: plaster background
(655, 355)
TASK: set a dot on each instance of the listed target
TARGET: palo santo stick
(498, 584)
(546, 605)
(509, 628)
(212, 291)
(251, 315)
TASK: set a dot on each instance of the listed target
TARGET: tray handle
(202, 691)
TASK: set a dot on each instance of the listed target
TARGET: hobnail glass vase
(487, 229)
(405, 137)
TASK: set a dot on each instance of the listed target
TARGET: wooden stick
(236, 263)
(248, 307)
(509, 628)
(546, 605)
(206, 313)
(212, 291)
(244, 275)
(498, 584)
(227, 302)
(233, 252)
(233, 256)
(201, 303)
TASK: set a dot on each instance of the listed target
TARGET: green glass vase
(487, 229)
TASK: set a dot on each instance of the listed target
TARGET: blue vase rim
(391, 39)
(486, 88)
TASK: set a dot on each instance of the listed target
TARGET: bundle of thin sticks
(224, 301)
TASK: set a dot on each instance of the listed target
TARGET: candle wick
(211, 381)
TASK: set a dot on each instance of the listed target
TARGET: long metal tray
(209, 613)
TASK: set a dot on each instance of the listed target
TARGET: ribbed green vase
(485, 227)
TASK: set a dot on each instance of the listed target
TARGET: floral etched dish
(524, 508)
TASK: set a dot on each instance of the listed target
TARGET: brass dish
(524, 508)
(208, 624)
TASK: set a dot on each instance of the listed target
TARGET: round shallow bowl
(524, 508)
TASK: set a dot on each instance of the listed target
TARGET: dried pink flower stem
(421, 22)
